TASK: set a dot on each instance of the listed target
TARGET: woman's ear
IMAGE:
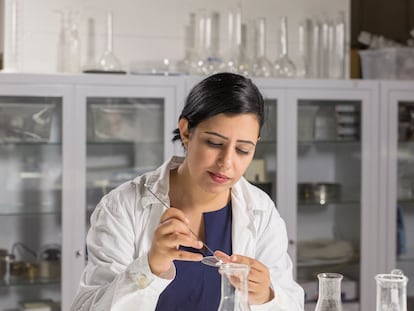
(184, 133)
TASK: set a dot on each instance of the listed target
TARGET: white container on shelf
(396, 63)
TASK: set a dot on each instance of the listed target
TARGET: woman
(144, 256)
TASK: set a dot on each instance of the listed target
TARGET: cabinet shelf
(406, 202)
(337, 202)
(330, 142)
(406, 143)
(30, 143)
(117, 142)
(20, 281)
(19, 210)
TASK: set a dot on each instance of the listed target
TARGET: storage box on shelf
(396, 63)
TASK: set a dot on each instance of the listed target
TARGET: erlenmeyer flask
(329, 295)
(108, 61)
(391, 291)
(262, 67)
(234, 287)
(283, 66)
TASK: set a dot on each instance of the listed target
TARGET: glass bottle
(234, 287)
(283, 66)
(329, 295)
(391, 291)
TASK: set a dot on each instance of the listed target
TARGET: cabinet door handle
(78, 254)
(291, 242)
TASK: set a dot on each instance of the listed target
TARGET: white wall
(149, 29)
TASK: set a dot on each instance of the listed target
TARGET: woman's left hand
(259, 277)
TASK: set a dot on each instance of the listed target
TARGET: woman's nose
(225, 159)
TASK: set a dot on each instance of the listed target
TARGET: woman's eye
(214, 144)
(242, 151)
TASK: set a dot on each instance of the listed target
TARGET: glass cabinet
(127, 130)
(262, 170)
(31, 196)
(398, 180)
(331, 144)
(335, 156)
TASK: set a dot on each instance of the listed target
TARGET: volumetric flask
(234, 287)
(391, 292)
(329, 295)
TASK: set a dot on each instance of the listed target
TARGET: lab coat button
(142, 281)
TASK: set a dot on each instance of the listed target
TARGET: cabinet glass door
(405, 193)
(30, 200)
(398, 186)
(127, 131)
(125, 139)
(334, 191)
(262, 170)
(329, 193)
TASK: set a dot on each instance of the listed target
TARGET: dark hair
(226, 93)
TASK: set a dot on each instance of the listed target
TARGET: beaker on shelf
(391, 291)
(234, 287)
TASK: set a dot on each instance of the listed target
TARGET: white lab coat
(117, 276)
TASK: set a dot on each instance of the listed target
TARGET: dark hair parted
(225, 93)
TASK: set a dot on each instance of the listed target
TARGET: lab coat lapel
(243, 229)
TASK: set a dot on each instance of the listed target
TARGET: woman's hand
(172, 232)
(259, 277)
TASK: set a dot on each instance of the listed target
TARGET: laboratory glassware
(234, 287)
(329, 295)
(262, 67)
(284, 66)
(108, 61)
(391, 291)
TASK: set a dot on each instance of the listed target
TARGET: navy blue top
(197, 286)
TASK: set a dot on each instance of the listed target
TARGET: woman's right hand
(172, 232)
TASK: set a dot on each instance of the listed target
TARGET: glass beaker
(391, 291)
(234, 287)
(329, 295)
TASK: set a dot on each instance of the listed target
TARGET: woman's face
(220, 149)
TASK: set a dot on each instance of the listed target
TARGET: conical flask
(391, 291)
(234, 287)
(329, 295)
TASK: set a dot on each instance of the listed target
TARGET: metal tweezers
(192, 232)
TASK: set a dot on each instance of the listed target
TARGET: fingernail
(187, 220)
(233, 258)
(200, 244)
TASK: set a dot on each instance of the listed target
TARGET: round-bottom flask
(329, 295)
(234, 287)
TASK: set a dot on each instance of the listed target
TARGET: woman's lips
(218, 177)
